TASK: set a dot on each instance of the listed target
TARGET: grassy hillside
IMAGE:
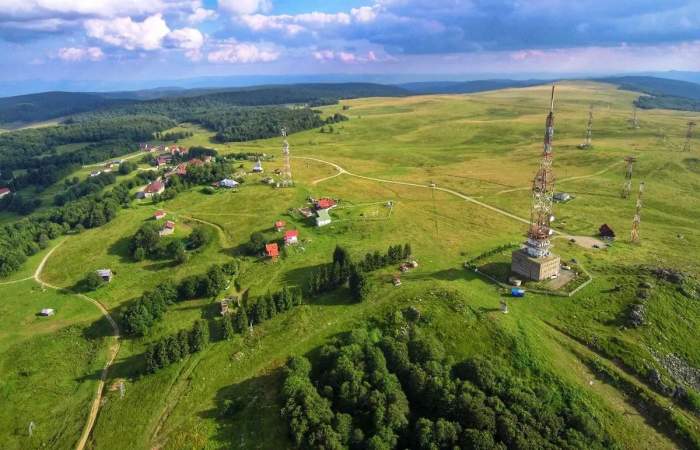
(484, 146)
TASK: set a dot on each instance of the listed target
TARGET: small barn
(322, 218)
(105, 274)
(168, 228)
(606, 232)
(279, 225)
(228, 183)
(325, 203)
(46, 312)
(160, 214)
(291, 237)
(156, 187)
(272, 251)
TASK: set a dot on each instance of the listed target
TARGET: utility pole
(637, 215)
(688, 136)
(627, 187)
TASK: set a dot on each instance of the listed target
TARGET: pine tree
(227, 327)
(183, 338)
(150, 355)
(173, 346)
(199, 336)
(240, 322)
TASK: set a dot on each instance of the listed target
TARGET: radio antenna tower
(635, 121)
(688, 136)
(589, 130)
(627, 187)
(287, 168)
(538, 243)
(637, 215)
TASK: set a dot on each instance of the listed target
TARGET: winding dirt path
(562, 180)
(113, 349)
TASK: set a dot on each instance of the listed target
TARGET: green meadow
(485, 146)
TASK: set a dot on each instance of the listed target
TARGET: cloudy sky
(170, 39)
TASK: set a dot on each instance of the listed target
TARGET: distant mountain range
(23, 109)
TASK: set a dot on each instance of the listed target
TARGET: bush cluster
(141, 315)
(173, 348)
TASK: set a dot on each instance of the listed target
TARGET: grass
(49, 366)
(484, 145)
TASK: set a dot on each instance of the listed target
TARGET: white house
(228, 183)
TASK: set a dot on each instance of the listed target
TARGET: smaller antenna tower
(587, 143)
(688, 136)
(627, 187)
(637, 215)
(122, 389)
(31, 428)
(287, 168)
(635, 121)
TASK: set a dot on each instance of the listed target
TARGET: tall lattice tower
(688, 136)
(629, 165)
(637, 215)
(287, 167)
(535, 261)
(635, 120)
(587, 142)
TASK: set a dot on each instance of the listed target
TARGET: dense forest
(668, 102)
(180, 106)
(395, 387)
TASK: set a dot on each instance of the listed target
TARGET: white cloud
(200, 15)
(242, 53)
(244, 7)
(293, 24)
(126, 33)
(347, 57)
(94, 8)
(75, 54)
(189, 39)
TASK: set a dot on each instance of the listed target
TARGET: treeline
(245, 124)
(388, 389)
(28, 235)
(138, 318)
(172, 136)
(174, 348)
(342, 270)
(667, 102)
(90, 185)
(36, 151)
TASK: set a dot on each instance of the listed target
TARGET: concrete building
(535, 268)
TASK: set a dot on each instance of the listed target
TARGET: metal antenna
(538, 237)
(635, 121)
(637, 215)
(122, 389)
(589, 129)
(31, 428)
(627, 187)
(287, 168)
(688, 136)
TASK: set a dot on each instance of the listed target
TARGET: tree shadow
(157, 266)
(121, 248)
(248, 412)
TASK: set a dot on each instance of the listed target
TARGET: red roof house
(156, 187)
(325, 203)
(279, 225)
(159, 214)
(291, 237)
(272, 251)
(4, 192)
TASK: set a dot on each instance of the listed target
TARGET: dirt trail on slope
(113, 349)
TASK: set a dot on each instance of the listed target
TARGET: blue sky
(171, 39)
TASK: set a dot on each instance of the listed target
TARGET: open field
(484, 147)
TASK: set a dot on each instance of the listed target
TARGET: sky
(176, 39)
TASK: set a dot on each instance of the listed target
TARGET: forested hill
(178, 104)
(662, 92)
(50, 105)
